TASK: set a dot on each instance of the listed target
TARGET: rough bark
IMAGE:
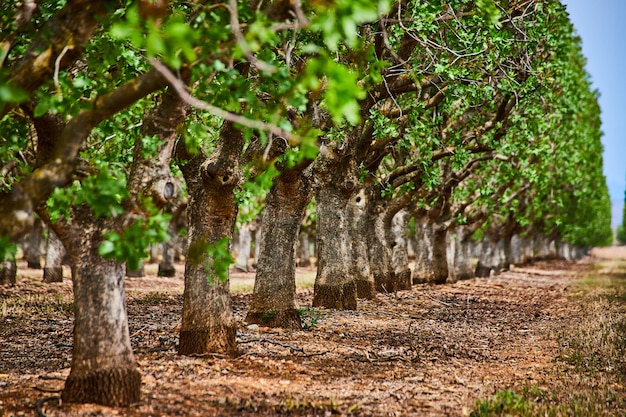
(462, 256)
(208, 323)
(274, 297)
(379, 249)
(440, 257)
(166, 265)
(400, 256)
(53, 270)
(488, 261)
(170, 248)
(357, 230)
(104, 369)
(304, 250)
(32, 245)
(245, 244)
(334, 283)
(8, 273)
(423, 271)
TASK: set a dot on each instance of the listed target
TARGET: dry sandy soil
(431, 351)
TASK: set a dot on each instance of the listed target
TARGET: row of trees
(472, 118)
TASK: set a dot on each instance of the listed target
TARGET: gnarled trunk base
(203, 339)
(287, 319)
(403, 279)
(335, 296)
(53, 274)
(115, 387)
(365, 289)
(8, 273)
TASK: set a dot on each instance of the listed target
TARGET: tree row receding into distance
(464, 124)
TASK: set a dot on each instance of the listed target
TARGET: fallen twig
(439, 301)
(51, 378)
(41, 402)
(49, 390)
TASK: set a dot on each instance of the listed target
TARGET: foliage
(621, 229)
(131, 245)
(215, 258)
(8, 249)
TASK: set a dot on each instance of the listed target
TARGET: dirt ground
(431, 351)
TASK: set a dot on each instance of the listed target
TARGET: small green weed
(310, 317)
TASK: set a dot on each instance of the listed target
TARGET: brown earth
(431, 351)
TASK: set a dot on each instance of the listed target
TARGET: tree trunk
(357, 230)
(462, 256)
(440, 257)
(167, 265)
(304, 250)
(208, 323)
(104, 370)
(8, 272)
(487, 261)
(379, 249)
(400, 256)
(334, 284)
(423, 252)
(245, 244)
(53, 271)
(258, 234)
(137, 273)
(32, 245)
(274, 298)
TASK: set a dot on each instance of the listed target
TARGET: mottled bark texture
(493, 259)
(304, 250)
(274, 297)
(167, 264)
(334, 283)
(399, 255)
(104, 370)
(8, 272)
(208, 323)
(423, 271)
(32, 245)
(379, 249)
(462, 264)
(53, 270)
(357, 231)
(170, 248)
(440, 256)
(245, 244)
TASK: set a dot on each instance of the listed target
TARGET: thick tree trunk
(137, 273)
(462, 256)
(53, 270)
(274, 298)
(357, 230)
(8, 272)
(304, 250)
(400, 256)
(245, 244)
(487, 262)
(167, 265)
(104, 370)
(379, 249)
(440, 257)
(32, 245)
(334, 283)
(208, 323)
(423, 271)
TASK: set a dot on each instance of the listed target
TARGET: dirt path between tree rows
(431, 351)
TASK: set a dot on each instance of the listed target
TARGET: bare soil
(431, 351)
